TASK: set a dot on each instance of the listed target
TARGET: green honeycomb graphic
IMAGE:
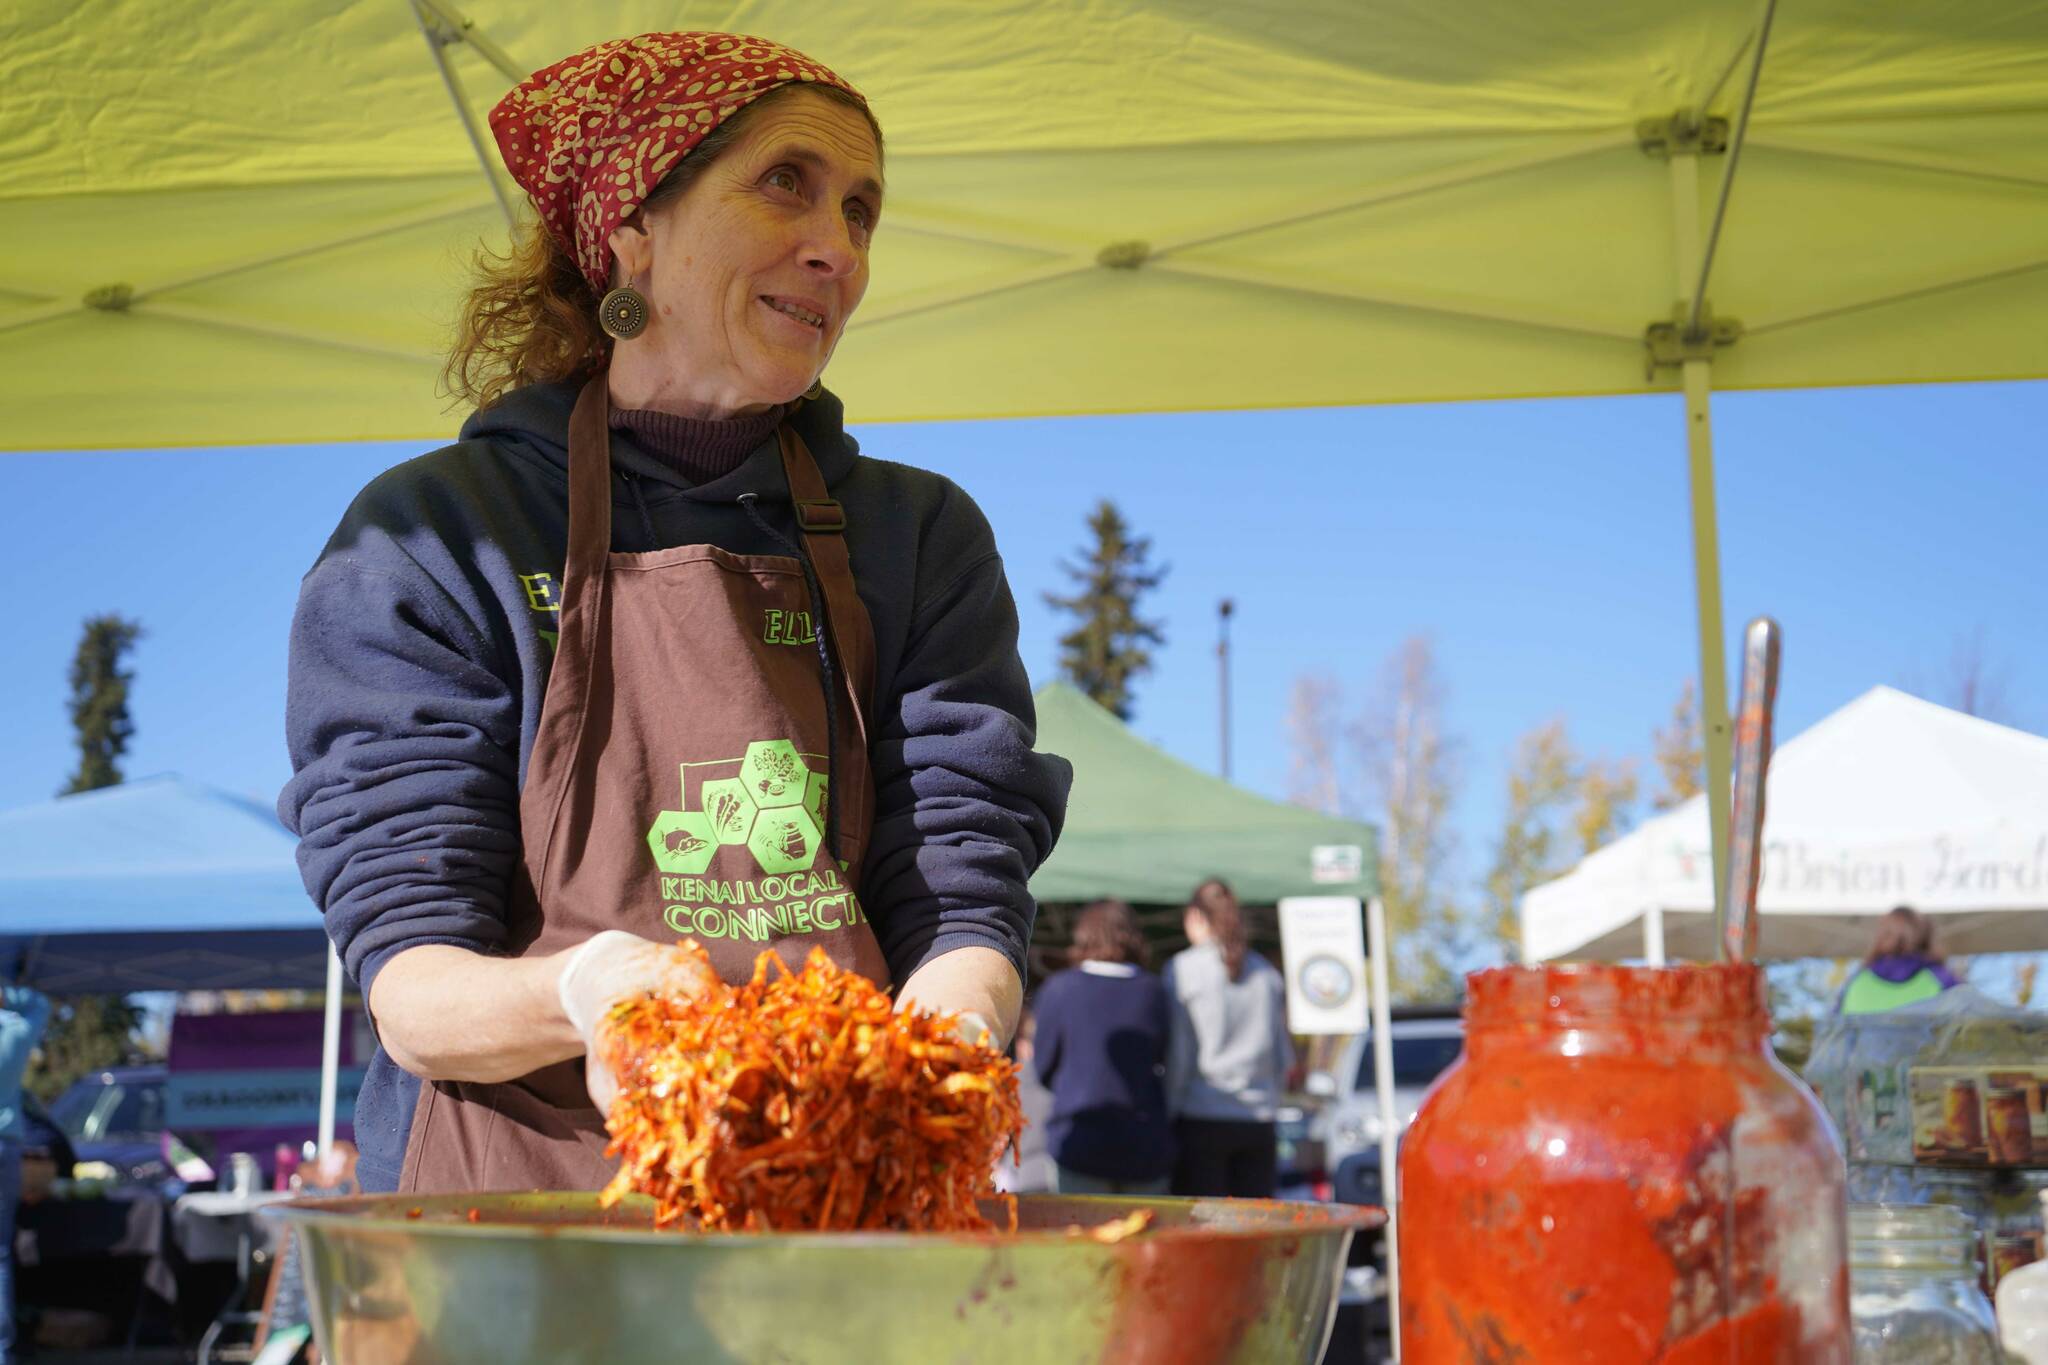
(729, 809)
(682, 842)
(774, 773)
(783, 840)
(814, 799)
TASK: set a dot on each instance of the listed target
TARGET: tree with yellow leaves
(1561, 807)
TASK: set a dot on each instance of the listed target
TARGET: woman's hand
(978, 984)
(610, 967)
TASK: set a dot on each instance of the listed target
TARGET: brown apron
(676, 789)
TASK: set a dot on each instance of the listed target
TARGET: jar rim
(1922, 1237)
(1728, 993)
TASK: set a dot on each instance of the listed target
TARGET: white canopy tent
(1891, 800)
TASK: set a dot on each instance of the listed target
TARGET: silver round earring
(623, 313)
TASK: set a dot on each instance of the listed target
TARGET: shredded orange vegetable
(1117, 1229)
(803, 1100)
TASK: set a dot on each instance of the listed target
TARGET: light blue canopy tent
(157, 885)
(162, 885)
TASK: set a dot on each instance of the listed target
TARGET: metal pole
(1653, 936)
(434, 35)
(330, 1051)
(1223, 611)
(1706, 545)
(1762, 39)
(1390, 1133)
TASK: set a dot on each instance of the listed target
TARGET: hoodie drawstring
(826, 671)
(646, 517)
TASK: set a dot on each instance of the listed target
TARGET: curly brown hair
(531, 317)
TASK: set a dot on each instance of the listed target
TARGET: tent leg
(1706, 536)
(330, 1051)
(1706, 559)
(1383, 1074)
(1653, 936)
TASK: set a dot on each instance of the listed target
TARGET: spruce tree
(1110, 645)
(89, 1033)
(99, 701)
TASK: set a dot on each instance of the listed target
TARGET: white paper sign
(1335, 864)
(1322, 949)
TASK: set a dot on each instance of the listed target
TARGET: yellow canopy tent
(245, 221)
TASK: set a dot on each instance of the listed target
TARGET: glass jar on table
(1913, 1287)
(1620, 1169)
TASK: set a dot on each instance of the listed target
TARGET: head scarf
(589, 137)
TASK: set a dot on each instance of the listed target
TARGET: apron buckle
(820, 514)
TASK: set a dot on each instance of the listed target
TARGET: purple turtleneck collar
(699, 449)
(1902, 967)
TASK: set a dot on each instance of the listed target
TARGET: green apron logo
(775, 806)
(772, 803)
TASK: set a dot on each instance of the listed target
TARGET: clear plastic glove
(977, 1031)
(606, 969)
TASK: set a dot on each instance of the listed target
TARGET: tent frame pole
(1653, 936)
(1706, 541)
(330, 1052)
(1390, 1132)
(1706, 561)
(438, 35)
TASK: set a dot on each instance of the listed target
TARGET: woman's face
(751, 274)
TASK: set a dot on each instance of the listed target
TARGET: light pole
(1223, 611)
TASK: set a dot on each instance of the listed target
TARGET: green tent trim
(1147, 828)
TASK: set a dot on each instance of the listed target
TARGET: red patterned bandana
(590, 136)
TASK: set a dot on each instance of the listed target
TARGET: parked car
(1426, 1039)
(116, 1116)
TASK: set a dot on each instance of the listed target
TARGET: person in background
(1101, 1050)
(1903, 966)
(24, 1012)
(1229, 1055)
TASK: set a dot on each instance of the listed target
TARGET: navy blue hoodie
(420, 654)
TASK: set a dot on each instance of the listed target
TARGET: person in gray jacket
(1228, 1054)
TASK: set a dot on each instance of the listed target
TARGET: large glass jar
(1619, 1169)
(1913, 1287)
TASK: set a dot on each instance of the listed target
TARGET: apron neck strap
(590, 481)
(821, 521)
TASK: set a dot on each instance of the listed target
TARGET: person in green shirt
(1903, 966)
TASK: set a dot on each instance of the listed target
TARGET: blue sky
(1543, 545)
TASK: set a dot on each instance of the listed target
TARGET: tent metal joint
(1684, 133)
(110, 298)
(1124, 255)
(1669, 345)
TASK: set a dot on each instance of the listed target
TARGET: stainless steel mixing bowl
(553, 1278)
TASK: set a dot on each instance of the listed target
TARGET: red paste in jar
(1572, 1190)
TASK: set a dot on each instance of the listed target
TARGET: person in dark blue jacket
(1101, 1051)
(24, 1012)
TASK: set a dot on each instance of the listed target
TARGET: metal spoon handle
(1754, 710)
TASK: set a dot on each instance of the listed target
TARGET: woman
(1101, 1051)
(652, 652)
(1903, 966)
(1230, 1053)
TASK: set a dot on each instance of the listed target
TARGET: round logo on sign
(1326, 981)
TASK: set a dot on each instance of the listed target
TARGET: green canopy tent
(245, 221)
(1145, 827)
